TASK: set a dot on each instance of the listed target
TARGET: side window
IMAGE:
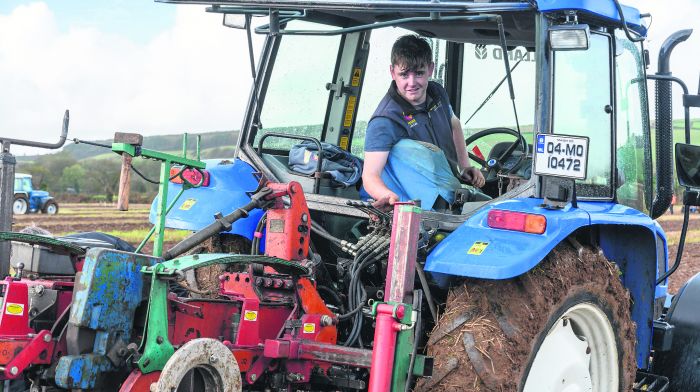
(582, 102)
(633, 145)
(377, 77)
(296, 98)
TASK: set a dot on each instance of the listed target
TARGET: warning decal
(187, 204)
(14, 309)
(478, 248)
(250, 315)
(356, 73)
(309, 328)
(350, 111)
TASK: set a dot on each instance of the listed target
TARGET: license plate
(561, 156)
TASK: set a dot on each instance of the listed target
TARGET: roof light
(517, 221)
(192, 176)
(569, 37)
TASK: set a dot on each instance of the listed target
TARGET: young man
(415, 109)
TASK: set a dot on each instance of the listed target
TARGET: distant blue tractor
(27, 199)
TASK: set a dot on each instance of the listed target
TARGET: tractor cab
(511, 70)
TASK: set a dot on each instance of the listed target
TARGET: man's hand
(473, 176)
(386, 202)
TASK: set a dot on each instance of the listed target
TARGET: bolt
(121, 352)
(195, 257)
(253, 377)
(39, 290)
(304, 217)
(47, 338)
(326, 320)
(159, 340)
(14, 370)
(213, 359)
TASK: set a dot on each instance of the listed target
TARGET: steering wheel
(494, 164)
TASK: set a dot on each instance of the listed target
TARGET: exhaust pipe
(664, 127)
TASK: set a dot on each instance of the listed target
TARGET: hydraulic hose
(222, 223)
(681, 242)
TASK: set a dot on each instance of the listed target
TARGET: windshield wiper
(492, 93)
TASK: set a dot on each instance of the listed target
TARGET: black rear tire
(491, 331)
(50, 208)
(20, 206)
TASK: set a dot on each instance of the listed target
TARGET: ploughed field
(132, 226)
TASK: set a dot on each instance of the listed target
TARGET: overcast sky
(140, 66)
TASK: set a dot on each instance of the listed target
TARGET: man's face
(412, 84)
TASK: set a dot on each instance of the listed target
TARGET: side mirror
(688, 165)
(236, 21)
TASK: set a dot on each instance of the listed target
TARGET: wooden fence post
(124, 184)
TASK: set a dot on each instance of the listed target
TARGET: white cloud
(193, 77)
(667, 18)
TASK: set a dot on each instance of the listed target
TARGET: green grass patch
(135, 236)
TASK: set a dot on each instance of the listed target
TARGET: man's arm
(372, 177)
(470, 173)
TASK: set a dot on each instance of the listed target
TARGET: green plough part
(54, 244)
(158, 348)
(189, 262)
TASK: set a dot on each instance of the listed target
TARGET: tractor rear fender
(629, 238)
(42, 201)
(229, 184)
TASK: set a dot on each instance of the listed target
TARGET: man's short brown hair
(412, 52)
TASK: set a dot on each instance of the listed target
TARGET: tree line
(92, 173)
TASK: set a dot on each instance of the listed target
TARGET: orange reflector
(192, 176)
(517, 221)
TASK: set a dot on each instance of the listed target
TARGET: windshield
(485, 98)
(297, 97)
(328, 87)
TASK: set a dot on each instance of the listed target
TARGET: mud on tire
(486, 337)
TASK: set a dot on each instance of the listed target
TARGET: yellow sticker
(478, 248)
(187, 204)
(356, 73)
(14, 309)
(350, 111)
(250, 315)
(309, 328)
(344, 142)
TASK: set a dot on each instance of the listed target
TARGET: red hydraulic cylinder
(384, 346)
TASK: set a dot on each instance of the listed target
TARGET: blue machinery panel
(626, 236)
(229, 182)
(104, 301)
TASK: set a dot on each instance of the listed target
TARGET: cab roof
(518, 25)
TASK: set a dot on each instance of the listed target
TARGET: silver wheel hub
(579, 354)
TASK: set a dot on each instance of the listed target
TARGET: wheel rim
(202, 364)
(579, 353)
(51, 209)
(19, 206)
(201, 379)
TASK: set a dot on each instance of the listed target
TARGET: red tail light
(190, 175)
(517, 221)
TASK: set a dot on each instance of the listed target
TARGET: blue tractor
(554, 276)
(27, 199)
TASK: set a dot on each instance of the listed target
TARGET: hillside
(213, 144)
